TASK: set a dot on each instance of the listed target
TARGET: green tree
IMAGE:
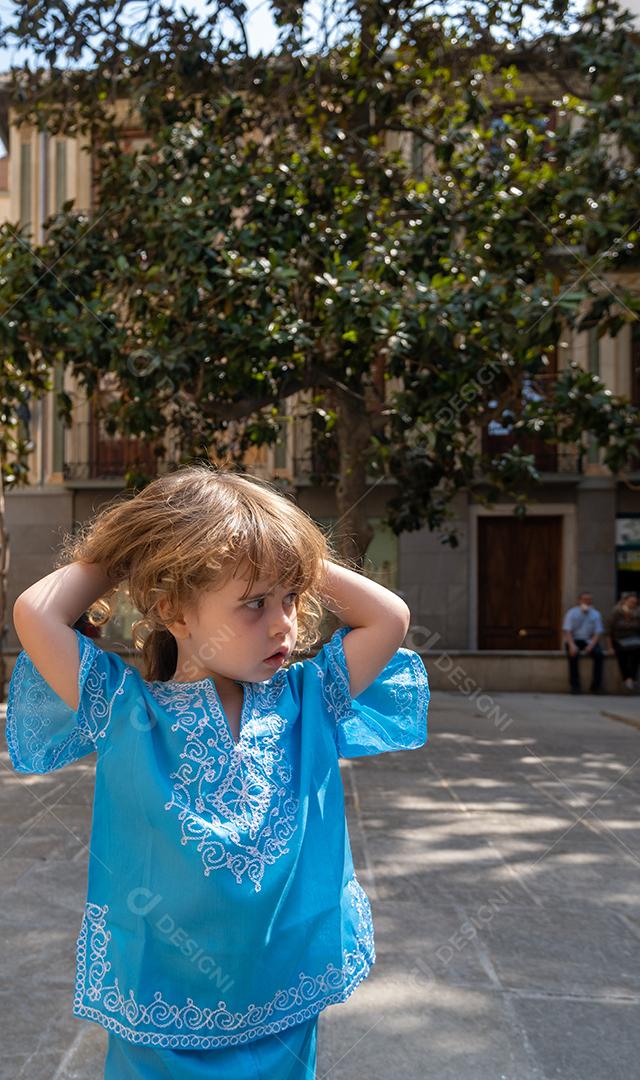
(270, 239)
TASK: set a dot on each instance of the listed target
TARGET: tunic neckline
(208, 680)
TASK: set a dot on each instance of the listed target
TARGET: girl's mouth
(276, 658)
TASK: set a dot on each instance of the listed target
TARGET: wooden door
(519, 582)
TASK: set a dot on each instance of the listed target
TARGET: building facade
(500, 595)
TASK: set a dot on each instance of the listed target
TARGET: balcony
(91, 454)
(498, 436)
(555, 458)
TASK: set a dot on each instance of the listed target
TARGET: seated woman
(624, 634)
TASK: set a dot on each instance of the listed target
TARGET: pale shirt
(583, 624)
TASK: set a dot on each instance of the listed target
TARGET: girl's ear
(178, 627)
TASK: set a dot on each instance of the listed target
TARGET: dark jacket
(622, 624)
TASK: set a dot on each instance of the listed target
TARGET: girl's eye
(260, 600)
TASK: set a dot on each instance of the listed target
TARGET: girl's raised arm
(379, 620)
(43, 616)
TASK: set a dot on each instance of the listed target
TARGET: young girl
(223, 913)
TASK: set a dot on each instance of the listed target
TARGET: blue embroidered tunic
(222, 903)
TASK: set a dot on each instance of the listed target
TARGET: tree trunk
(353, 532)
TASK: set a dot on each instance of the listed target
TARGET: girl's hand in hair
(44, 614)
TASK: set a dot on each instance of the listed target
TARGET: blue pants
(286, 1055)
(597, 656)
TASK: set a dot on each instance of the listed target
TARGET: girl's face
(226, 635)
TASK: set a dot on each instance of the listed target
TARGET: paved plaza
(502, 862)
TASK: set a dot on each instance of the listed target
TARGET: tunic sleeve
(390, 714)
(43, 732)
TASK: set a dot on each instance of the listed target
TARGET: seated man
(582, 628)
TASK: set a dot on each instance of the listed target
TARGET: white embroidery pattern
(307, 997)
(231, 791)
(407, 686)
(365, 922)
(41, 710)
(100, 938)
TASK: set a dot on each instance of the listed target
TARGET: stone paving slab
(502, 862)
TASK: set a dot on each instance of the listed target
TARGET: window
(418, 143)
(281, 447)
(381, 558)
(57, 449)
(593, 363)
(593, 351)
(60, 192)
(627, 553)
(499, 434)
(635, 364)
(118, 631)
(25, 184)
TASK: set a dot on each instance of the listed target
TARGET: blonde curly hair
(186, 532)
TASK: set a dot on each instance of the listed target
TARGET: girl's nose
(281, 623)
